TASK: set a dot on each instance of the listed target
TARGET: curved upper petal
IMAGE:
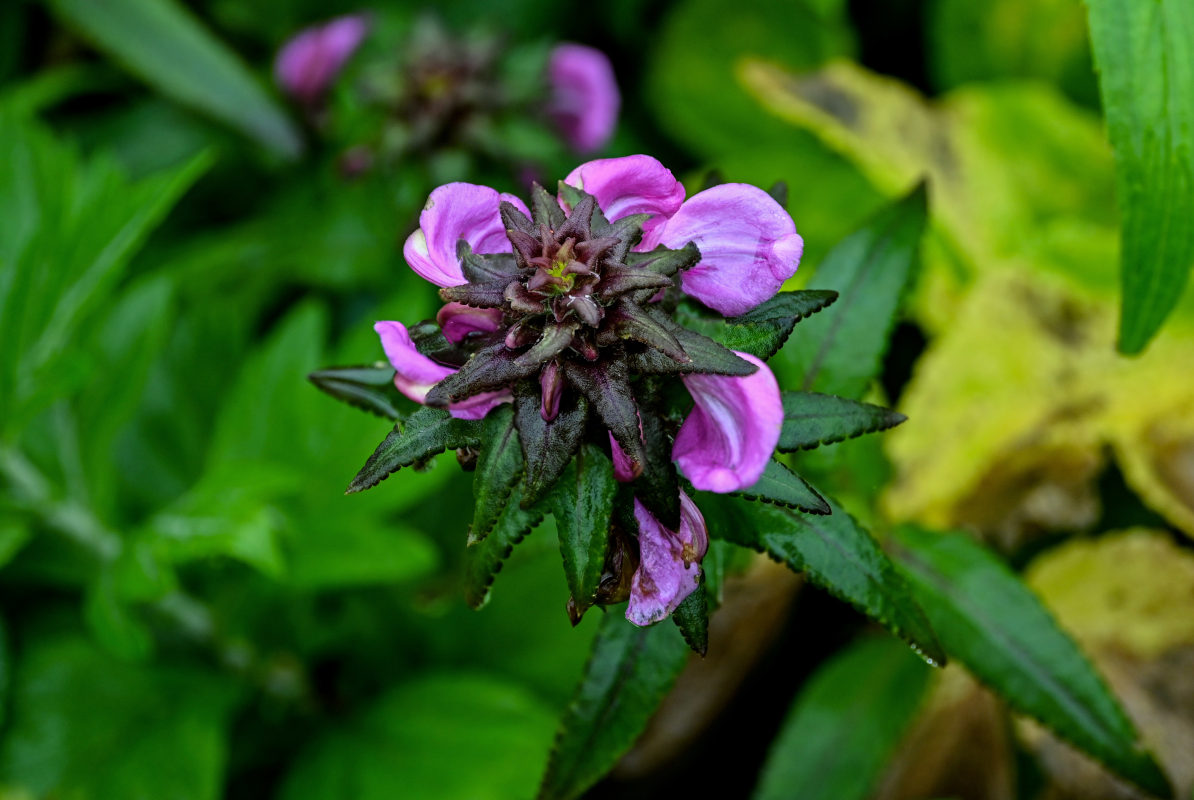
(458, 321)
(630, 185)
(728, 438)
(669, 562)
(585, 99)
(748, 242)
(308, 63)
(453, 212)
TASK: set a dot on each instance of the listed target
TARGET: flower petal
(457, 321)
(749, 246)
(453, 212)
(669, 562)
(625, 469)
(725, 443)
(308, 63)
(585, 99)
(630, 185)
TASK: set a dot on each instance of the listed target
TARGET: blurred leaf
(359, 552)
(113, 623)
(164, 45)
(455, 736)
(993, 624)
(812, 419)
(582, 503)
(1145, 57)
(369, 388)
(628, 674)
(427, 432)
(781, 486)
(835, 553)
(85, 725)
(845, 724)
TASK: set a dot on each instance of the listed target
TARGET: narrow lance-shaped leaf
(499, 466)
(812, 419)
(547, 447)
(835, 553)
(1145, 57)
(428, 432)
(781, 486)
(582, 504)
(845, 724)
(628, 674)
(484, 558)
(762, 331)
(692, 618)
(369, 388)
(991, 622)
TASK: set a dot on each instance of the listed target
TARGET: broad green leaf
(369, 388)
(835, 553)
(781, 486)
(484, 558)
(812, 419)
(1145, 57)
(993, 624)
(628, 674)
(840, 350)
(692, 618)
(427, 432)
(456, 736)
(845, 724)
(161, 42)
(499, 467)
(88, 726)
(582, 504)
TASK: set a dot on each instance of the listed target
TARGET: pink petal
(669, 562)
(749, 246)
(457, 321)
(630, 185)
(453, 212)
(309, 62)
(625, 469)
(725, 443)
(585, 99)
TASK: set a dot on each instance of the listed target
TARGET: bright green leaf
(484, 557)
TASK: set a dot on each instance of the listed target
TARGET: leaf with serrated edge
(763, 330)
(582, 503)
(628, 674)
(812, 419)
(991, 622)
(483, 559)
(546, 446)
(781, 486)
(692, 618)
(499, 466)
(427, 432)
(608, 388)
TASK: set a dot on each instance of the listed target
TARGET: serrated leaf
(763, 330)
(658, 487)
(483, 559)
(369, 388)
(845, 724)
(992, 623)
(835, 553)
(607, 386)
(545, 210)
(1145, 58)
(427, 432)
(692, 618)
(812, 419)
(665, 261)
(707, 356)
(781, 486)
(499, 467)
(547, 447)
(490, 369)
(582, 504)
(628, 674)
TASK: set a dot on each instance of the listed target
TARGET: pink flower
(584, 96)
(308, 63)
(669, 562)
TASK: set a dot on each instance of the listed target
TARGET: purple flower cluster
(568, 303)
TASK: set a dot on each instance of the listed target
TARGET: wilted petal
(728, 438)
(630, 185)
(457, 321)
(307, 65)
(453, 212)
(585, 100)
(748, 243)
(669, 562)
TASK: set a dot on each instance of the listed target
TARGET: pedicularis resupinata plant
(599, 357)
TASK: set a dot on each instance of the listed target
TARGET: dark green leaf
(835, 553)
(430, 341)
(658, 486)
(494, 268)
(545, 210)
(664, 260)
(628, 674)
(841, 349)
(369, 388)
(1144, 53)
(490, 369)
(162, 43)
(692, 618)
(812, 419)
(991, 622)
(547, 446)
(582, 504)
(845, 724)
(762, 331)
(427, 432)
(499, 467)
(781, 486)
(779, 193)
(483, 559)
(707, 356)
(628, 321)
(607, 386)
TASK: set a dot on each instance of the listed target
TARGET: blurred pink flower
(584, 96)
(309, 62)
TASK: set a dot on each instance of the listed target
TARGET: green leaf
(483, 559)
(582, 504)
(628, 674)
(842, 347)
(339, 552)
(1144, 53)
(427, 432)
(499, 466)
(812, 419)
(462, 736)
(161, 42)
(835, 553)
(369, 388)
(692, 618)
(845, 724)
(607, 387)
(546, 446)
(781, 486)
(763, 330)
(992, 623)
